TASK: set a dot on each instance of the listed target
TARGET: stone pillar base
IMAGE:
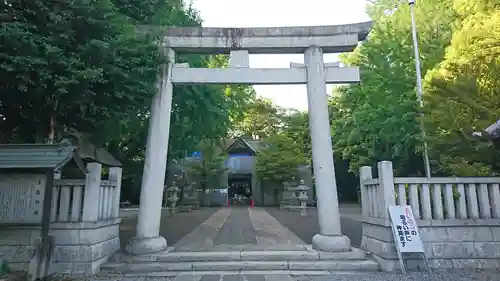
(324, 243)
(146, 245)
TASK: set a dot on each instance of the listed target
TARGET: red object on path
(228, 202)
(252, 204)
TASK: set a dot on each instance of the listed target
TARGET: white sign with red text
(405, 229)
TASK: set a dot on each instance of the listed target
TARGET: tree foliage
(261, 119)
(91, 66)
(462, 92)
(60, 65)
(278, 160)
(379, 119)
(209, 168)
(376, 120)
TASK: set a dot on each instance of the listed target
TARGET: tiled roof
(37, 156)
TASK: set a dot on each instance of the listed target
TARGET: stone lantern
(172, 197)
(302, 190)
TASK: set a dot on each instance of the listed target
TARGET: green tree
(296, 126)
(376, 120)
(92, 67)
(210, 167)
(277, 162)
(462, 92)
(70, 64)
(261, 119)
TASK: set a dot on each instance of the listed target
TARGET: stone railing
(106, 199)
(70, 196)
(459, 218)
(67, 200)
(430, 198)
(450, 198)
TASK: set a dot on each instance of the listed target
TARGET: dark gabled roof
(89, 152)
(253, 145)
(38, 156)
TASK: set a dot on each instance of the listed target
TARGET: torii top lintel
(266, 40)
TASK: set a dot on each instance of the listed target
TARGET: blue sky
(261, 13)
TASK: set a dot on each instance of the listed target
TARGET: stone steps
(273, 261)
(281, 275)
(148, 267)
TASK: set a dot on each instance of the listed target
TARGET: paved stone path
(269, 231)
(173, 228)
(237, 229)
(307, 226)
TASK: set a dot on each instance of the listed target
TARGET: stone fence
(458, 218)
(84, 222)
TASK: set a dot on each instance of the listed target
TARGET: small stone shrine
(57, 213)
(26, 196)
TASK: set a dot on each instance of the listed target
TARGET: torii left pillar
(148, 239)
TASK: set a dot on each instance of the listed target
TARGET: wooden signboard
(21, 198)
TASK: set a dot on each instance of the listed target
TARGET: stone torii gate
(239, 43)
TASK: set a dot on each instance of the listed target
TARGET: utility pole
(419, 86)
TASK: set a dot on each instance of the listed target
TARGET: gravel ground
(173, 228)
(305, 227)
(448, 275)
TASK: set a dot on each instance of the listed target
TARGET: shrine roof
(253, 145)
(38, 156)
(90, 152)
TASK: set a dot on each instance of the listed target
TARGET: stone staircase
(307, 261)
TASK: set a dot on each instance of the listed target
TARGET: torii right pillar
(330, 238)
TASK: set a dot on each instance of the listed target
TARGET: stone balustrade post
(386, 184)
(91, 193)
(365, 173)
(115, 174)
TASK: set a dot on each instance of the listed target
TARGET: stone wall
(81, 247)
(447, 244)
(458, 218)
